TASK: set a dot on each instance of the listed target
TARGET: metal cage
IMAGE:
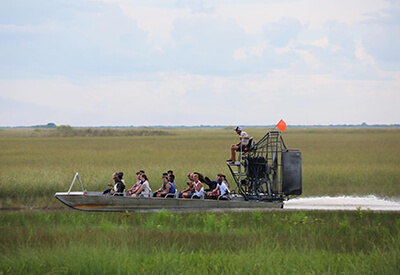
(267, 170)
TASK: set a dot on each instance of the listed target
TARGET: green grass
(335, 161)
(36, 164)
(186, 243)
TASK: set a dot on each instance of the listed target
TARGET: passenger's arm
(166, 189)
(140, 189)
(216, 189)
(199, 186)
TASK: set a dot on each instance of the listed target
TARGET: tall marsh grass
(186, 243)
(335, 161)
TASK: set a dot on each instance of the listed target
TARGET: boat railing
(227, 195)
(172, 195)
(201, 196)
(123, 193)
(73, 181)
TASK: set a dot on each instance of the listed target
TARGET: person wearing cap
(244, 140)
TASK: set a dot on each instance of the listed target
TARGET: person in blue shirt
(169, 188)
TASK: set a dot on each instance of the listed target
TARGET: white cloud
(173, 62)
(180, 99)
(158, 22)
(362, 55)
(12, 29)
(323, 43)
(256, 50)
(252, 16)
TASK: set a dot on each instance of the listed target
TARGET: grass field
(200, 243)
(335, 161)
(35, 164)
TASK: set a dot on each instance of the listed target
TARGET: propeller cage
(268, 170)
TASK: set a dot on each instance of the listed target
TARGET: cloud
(157, 21)
(206, 44)
(182, 99)
(280, 33)
(172, 62)
(94, 39)
(252, 16)
(382, 40)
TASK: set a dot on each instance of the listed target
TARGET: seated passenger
(190, 177)
(205, 180)
(121, 177)
(169, 188)
(225, 181)
(214, 183)
(198, 187)
(117, 188)
(171, 177)
(214, 193)
(221, 190)
(162, 187)
(185, 193)
(136, 186)
(144, 189)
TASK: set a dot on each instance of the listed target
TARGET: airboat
(266, 174)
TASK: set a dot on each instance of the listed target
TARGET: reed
(228, 243)
(36, 164)
(335, 161)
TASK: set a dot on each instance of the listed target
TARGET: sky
(149, 62)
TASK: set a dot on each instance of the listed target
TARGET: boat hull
(100, 203)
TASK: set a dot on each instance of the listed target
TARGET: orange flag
(281, 125)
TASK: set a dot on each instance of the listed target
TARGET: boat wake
(370, 202)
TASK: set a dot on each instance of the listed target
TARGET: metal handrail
(72, 184)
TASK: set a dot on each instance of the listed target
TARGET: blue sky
(120, 62)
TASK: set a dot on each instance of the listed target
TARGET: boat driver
(244, 140)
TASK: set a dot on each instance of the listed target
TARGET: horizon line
(53, 126)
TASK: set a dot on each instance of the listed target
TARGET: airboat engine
(267, 170)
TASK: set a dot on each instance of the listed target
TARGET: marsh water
(370, 202)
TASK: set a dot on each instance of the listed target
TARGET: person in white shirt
(244, 140)
(144, 188)
(221, 190)
(198, 186)
(195, 188)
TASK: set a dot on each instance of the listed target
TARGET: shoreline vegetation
(52, 125)
(68, 131)
(163, 242)
(336, 161)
